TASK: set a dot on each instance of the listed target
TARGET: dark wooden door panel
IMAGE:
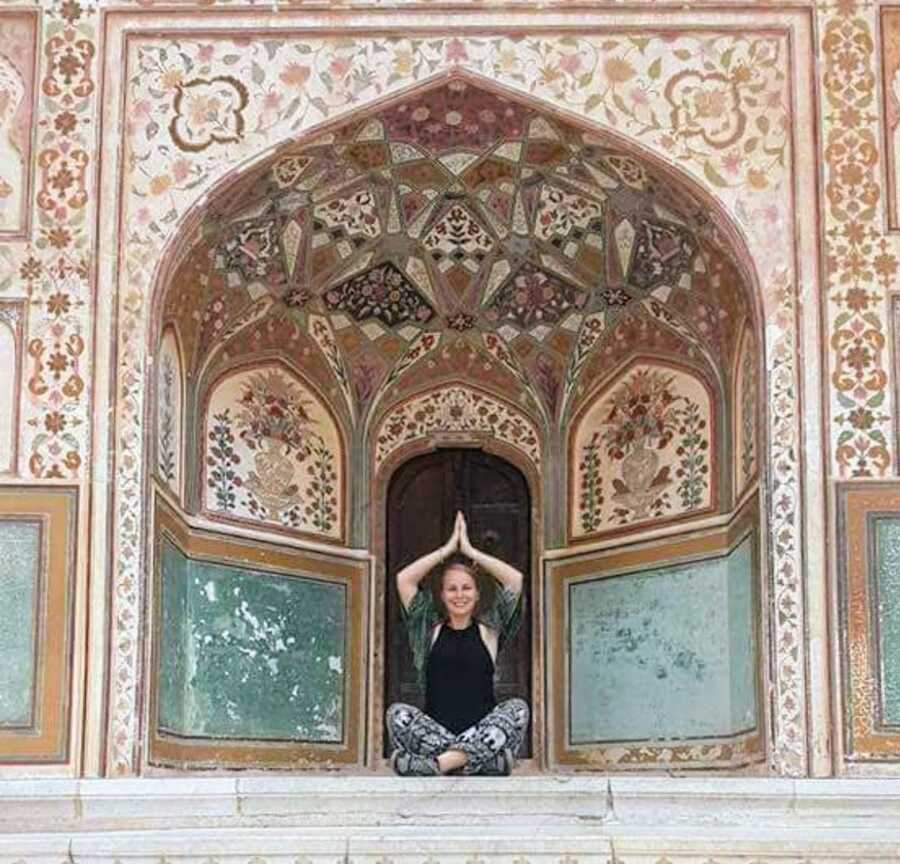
(423, 498)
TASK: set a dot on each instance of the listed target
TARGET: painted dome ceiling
(457, 222)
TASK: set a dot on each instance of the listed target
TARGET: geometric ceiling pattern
(500, 229)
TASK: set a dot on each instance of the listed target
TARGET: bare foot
(450, 760)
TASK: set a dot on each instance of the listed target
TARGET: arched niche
(443, 417)
(644, 451)
(272, 454)
(456, 408)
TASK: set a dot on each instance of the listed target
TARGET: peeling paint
(249, 654)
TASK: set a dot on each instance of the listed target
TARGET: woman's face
(459, 592)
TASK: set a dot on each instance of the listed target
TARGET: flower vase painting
(642, 451)
(273, 454)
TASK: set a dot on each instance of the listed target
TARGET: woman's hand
(465, 545)
(507, 576)
(452, 543)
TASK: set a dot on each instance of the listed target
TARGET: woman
(462, 729)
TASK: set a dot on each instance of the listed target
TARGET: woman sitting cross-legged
(462, 729)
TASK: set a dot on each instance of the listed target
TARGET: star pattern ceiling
(463, 212)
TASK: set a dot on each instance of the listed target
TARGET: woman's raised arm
(505, 574)
(411, 575)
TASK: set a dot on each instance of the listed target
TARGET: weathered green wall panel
(172, 644)
(262, 655)
(20, 562)
(886, 605)
(666, 653)
(742, 637)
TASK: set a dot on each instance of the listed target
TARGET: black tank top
(459, 678)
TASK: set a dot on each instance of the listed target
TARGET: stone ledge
(574, 802)
(425, 845)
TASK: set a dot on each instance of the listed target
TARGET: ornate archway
(470, 234)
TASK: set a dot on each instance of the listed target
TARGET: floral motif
(250, 251)
(533, 296)
(746, 454)
(662, 253)
(590, 504)
(642, 412)
(323, 336)
(69, 62)
(383, 293)
(563, 216)
(458, 238)
(166, 455)
(62, 179)
(272, 409)
(708, 105)
(645, 433)
(222, 459)
(693, 468)
(458, 116)
(643, 416)
(353, 215)
(456, 408)
(272, 454)
(207, 112)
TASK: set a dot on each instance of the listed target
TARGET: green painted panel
(173, 620)
(663, 654)
(20, 561)
(886, 600)
(742, 637)
(260, 655)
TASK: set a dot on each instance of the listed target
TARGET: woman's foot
(411, 765)
(452, 761)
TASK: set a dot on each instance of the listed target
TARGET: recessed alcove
(461, 269)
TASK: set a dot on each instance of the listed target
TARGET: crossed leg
(427, 747)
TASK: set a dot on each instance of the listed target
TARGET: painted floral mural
(746, 435)
(169, 434)
(272, 454)
(642, 451)
(456, 408)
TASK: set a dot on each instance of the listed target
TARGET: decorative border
(47, 738)
(862, 264)
(203, 545)
(888, 113)
(182, 417)
(738, 492)
(865, 739)
(733, 751)
(381, 455)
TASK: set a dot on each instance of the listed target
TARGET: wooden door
(422, 501)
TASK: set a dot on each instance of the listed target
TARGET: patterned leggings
(412, 730)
